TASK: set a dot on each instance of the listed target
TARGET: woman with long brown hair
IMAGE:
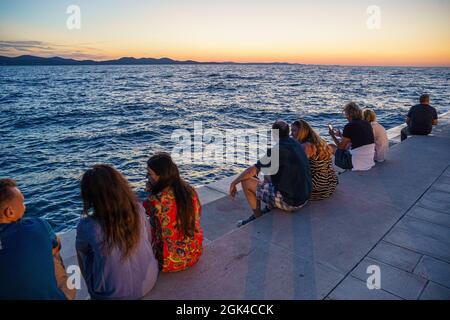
(174, 210)
(319, 153)
(113, 247)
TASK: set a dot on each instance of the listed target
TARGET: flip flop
(245, 221)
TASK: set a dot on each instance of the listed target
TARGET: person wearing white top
(354, 148)
(380, 135)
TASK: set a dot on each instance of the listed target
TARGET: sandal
(252, 217)
(245, 221)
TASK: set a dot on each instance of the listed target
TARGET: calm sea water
(57, 121)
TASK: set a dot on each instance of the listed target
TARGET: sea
(58, 121)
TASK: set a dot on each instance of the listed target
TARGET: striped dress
(324, 178)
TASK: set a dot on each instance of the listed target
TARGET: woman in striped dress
(324, 178)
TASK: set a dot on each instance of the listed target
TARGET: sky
(405, 32)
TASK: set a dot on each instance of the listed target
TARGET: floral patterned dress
(174, 251)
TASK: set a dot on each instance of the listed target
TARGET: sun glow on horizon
(414, 32)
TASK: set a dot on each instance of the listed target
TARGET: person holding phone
(354, 149)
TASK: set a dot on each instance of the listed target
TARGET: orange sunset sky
(414, 32)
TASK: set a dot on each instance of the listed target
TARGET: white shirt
(381, 141)
(362, 157)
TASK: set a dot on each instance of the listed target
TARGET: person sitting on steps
(287, 184)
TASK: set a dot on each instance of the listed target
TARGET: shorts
(266, 193)
(343, 159)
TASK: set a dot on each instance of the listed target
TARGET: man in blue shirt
(27, 245)
(421, 118)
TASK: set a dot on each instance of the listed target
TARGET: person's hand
(331, 132)
(233, 190)
(57, 249)
(337, 133)
(148, 186)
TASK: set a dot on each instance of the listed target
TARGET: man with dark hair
(282, 127)
(421, 118)
(287, 177)
(29, 252)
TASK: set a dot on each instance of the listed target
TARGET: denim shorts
(343, 159)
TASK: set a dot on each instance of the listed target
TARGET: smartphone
(330, 127)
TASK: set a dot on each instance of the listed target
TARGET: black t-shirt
(359, 132)
(422, 116)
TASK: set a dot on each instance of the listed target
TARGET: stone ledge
(310, 254)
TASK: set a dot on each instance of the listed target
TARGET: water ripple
(57, 121)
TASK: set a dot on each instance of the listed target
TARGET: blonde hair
(369, 115)
(352, 110)
(308, 134)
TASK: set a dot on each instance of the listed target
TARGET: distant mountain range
(28, 60)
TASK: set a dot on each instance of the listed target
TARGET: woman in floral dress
(174, 211)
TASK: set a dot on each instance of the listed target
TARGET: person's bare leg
(249, 187)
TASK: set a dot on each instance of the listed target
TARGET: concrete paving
(395, 216)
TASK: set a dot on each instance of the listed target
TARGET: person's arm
(58, 264)
(246, 174)
(61, 277)
(409, 115)
(150, 218)
(57, 246)
(145, 207)
(333, 134)
(343, 143)
(55, 240)
(408, 121)
(435, 118)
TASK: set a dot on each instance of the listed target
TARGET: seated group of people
(305, 167)
(122, 244)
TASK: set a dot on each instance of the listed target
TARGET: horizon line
(190, 61)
